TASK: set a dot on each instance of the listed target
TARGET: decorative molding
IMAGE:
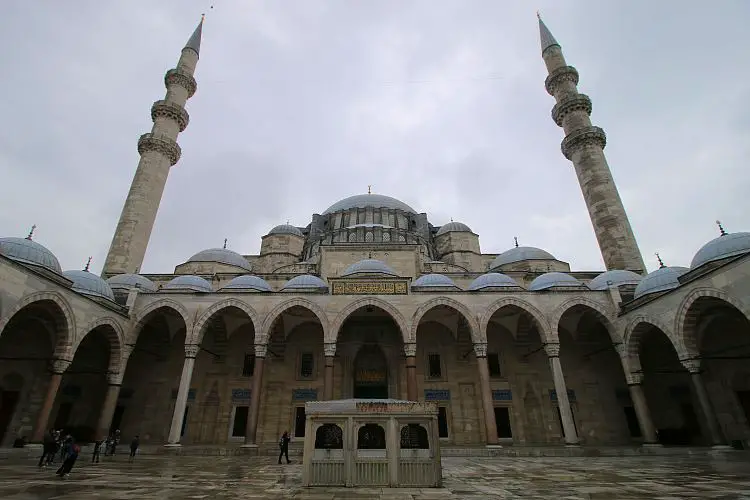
(166, 109)
(693, 365)
(558, 76)
(191, 350)
(568, 104)
(329, 349)
(581, 138)
(115, 378)
(261, 350)
(60, 365)
(410, 349)
(161, 144)
(480, 349)
(360, 287)
(178, 77)
(552, 350)
(634, 378)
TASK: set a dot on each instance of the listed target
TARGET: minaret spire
(584, 146)
(159, 152)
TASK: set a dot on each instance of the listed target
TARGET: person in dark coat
(284, 446)
(48, 448)
(134, 448)
(97, 451)
(70, 460)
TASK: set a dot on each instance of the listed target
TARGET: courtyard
(658, 477)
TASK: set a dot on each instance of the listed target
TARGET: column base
(572, 445)
(249, 445)
(493, 446)
(721, 447)
(173, 445)
(652, 445)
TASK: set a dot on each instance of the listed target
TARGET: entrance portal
(370, 373)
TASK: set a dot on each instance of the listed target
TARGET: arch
(364, 302)
(199, 327)
(142, 315)
(634, 335)
(115, 336)
(261, 336)
(476, 334)
(62, 342)
(686, 318)
(602, 312)
(527, 307)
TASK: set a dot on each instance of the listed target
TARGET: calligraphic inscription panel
(369, 288)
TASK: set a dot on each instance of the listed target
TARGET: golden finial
(31, 232)
(88, 263)
(369, 189)
(658, 258)
(718, 223)
(225, 243)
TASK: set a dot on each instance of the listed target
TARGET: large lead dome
(369, 200)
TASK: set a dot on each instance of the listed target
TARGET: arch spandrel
(541, 322)
(262, 334)
(141, 315)
(199, 327)
(115, 335)
(603, 313)
(686, 318)
(477, 335)
(64, 339)
(634, 334)
(395, 314)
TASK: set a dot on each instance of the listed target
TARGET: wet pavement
(165, 478)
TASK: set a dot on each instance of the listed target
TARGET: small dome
(222, 256)
(305, 282)
(370, 266)
(369, 200)
(90, 284)
(128, 281)
(285, 229)
(664, 278)
(248, 282)
(433, 281)
(29, 252)
(453, 226)
(520, 254)
(614, 278)
(552, 280)
(727, 245)
(189, 282)
(493, 280)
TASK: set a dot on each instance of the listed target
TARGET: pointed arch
(199, 328)
(63, 340)
(364, 302)
(634, 335)
(525, 306)
(115, 335)
(142, 314)
(687, 316)
(261, 336)
(462, 309)
(604, 314)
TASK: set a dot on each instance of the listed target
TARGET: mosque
(372, 300)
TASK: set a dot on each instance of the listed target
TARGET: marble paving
(159, 477)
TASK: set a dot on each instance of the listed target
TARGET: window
(248, 366)
(443, 422)
(371, 437)
(329, 437)
(299, 421)
(306, 365)
(240, 421)
(493, 360)
(434, 370)
(502, 422)
(414, 436)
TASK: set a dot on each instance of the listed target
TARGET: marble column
(191, 352)
(410, 351)
(561, 390)
(329, 349)
(480, 350)
(114, 382)
(251, 431)
(648, 430)
(58, 368)
(714, 429)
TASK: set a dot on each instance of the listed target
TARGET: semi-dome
(90, 284)
(128, 281)
(614, 278)
(726, 245)
(453, 226)
(189, 282)
(664, 278)
(520, 254)
(29, 252)
(433, 281)
(305, 282)
(285, 229)
(222, 256)
(553, 280)
(369, 266)
(248, 282)
(493, 280)
(369, 200)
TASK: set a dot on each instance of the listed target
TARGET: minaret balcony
(185, 80)
(166, 109)
(569, 104)
(161, 144)
(581, 138)
(560, 76)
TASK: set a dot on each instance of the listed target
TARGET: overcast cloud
(439, 103)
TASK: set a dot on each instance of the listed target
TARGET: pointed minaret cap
(545, 35)
(195, 39)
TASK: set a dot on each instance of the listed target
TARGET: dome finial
(515, 240)
(31, 232)
(225, 243)
(718, 223)
(88, 263)
(369, 189)
(451, 219)
(538, 15)
(658, 258)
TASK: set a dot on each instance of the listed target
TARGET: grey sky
(439, 103)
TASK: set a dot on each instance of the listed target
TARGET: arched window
(329, 437)
(414, 436)
(401, 238)
(386, 237)
(368, 237)
(353, 236)
(371, 437)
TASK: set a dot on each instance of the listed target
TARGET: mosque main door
(370, 373)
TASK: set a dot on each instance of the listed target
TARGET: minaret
(584, 146)
(159, 151)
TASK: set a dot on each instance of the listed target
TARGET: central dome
(369, 200)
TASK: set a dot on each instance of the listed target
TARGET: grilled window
(306, 365)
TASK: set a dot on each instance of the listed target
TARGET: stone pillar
(410, 351)
(635, 386)
(569, 428)
(480, 350)
(191, 351)
(252, 415)
(329, 349)
(714, 429)
(58, 368)
(114, 382)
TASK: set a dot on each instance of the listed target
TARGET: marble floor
(165, 478)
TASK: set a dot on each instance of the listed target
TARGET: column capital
(329, 349)
(261, 350)
(191, 350)
(620, 349)
(161, 144)
(114, 378)
(410, 349)
(480, 349)
(634, 378)
(581, 138)
(693, 365)
(178, 77)
(569, 104)
(559, 76)
(166, 109)
(60, 365)
(552, 350)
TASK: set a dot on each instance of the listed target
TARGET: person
(48, 448)
(65, 446)
(284, 446)
(134, 448)
(70, 460)
(115, 442)
(107, 445)
(97, 451)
